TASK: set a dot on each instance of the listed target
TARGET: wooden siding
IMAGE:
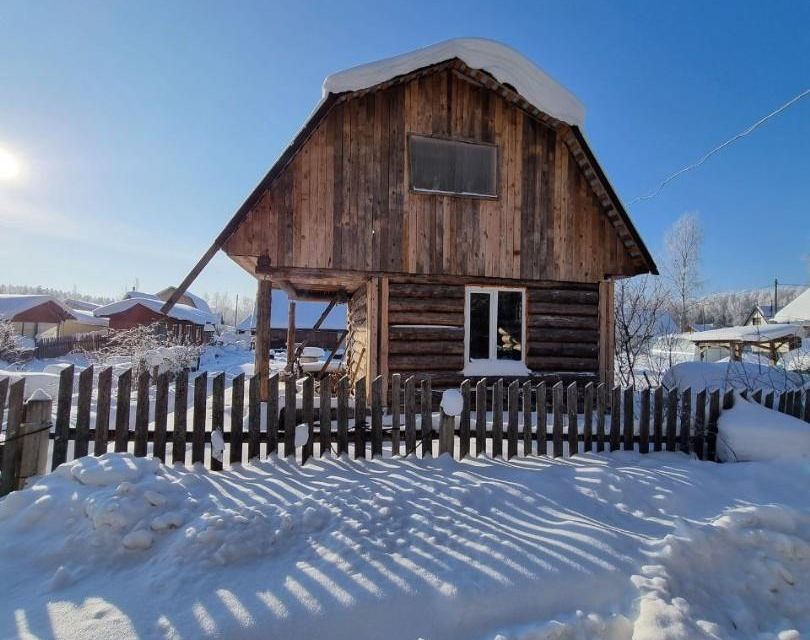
(357, 341)
(343, 202)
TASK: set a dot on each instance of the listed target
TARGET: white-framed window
(452, 166)
(495, 331)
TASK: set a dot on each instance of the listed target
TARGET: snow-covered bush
(14, 347)
(147, 348)
(8, 339)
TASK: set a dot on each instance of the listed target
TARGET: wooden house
(34, 314)
(450, 197)
(185, 322)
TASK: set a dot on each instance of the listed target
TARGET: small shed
(772, 339)
(34, 314)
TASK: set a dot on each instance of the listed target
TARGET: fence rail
(502, 420)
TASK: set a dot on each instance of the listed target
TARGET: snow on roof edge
(505, 64)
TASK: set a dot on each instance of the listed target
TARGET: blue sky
(141, 126)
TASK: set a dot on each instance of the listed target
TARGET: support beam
(290, 335)
(264, 301)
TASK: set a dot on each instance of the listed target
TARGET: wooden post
(644, 423)
(587, 418)
(615, 419)
(557, 411)
(527, 418)
(161, 415)
(376, 417)
(481, 417)
(28, 452)
(672, 420)
(573, 427)
(396, 383)
(290, 339)
(601, 410)
(410, 416)
(254, 417)
(426, 407)
(237, 418)
(700, 424)
(308, 416)
(497, 419)
(290, 408)
(686, 420)
(264, 300)
(542, 419)
(325, 416)
(9, 471)
(513, 392)
(272, 415)
(711, 432)
(103, 397)
(343, 416)
(629, 419)
(360, 418)
(464, 422)
(658, 419)
(122, 403)
(180, 418)
(142, 414)
(81, 446)
(62, 430)
(217, 420)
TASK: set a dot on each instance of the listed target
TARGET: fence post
(644, 422)
(711, 432)
(512, 423)
(615, 419)
(452, 405)
(686, 419)
(62, 431)
(527, 418)
(557, 413)
(464, 422)
(426, 425)
(601, 409)
(497, 419)
(376, 417)
(629, 418)
(587, 418)
(480, 416)
(542, 419)
(573, 427)
(26, 453)
(11, 449)
(396, 385)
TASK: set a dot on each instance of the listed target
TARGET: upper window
(454, 167)
(494, 331)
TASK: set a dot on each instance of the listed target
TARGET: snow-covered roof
(131, 295)
(796, 311)
(505, 64)
(81, 305)
(87, 317)
(178, 312)
(198, 302)
(12, 304)
(749, 334)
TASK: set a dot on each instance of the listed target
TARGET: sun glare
(9, 166)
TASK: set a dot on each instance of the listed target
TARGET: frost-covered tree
(8, 339)
(684, 244)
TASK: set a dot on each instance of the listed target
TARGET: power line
(728, 142)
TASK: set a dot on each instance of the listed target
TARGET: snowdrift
(730, 375)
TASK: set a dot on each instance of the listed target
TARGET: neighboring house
(81, 305)
(760, 314)
(136, 311)
(84, 322)
(772, 340)
(33, 315)
(797, 312)
(450, 197)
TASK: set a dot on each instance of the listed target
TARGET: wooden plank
(161, 416)
(497, 419)
(198, 419)
(272, 415)
(308, 416)
(103, 399)
(142, 414)
(757, 396)
(769, 400)
(672, 420)
(410, 416)
(698, 439)
(557, 417)
(343, 416)
(615, 419)
(601, 410)
(180, 418)
(82, 444)
(254, 418)
(237, 418)
(3, 394)
(122, 408)
(644, 422)
(658, 419)
(62, 427)
(629, 419)
(376, 417)
(481, 417)
(464, 421)
(264, 301)
(573, 425)
(395, 408)
(325, 416)
(9, 466)
(290, 409)
(711, 431)
(541, 396)
(526, 399)
(806, 413)
(686, 420)
(512, 399)
(360, 419)
(587, 418)
(797, 404)
(426, 425)
(218, 415)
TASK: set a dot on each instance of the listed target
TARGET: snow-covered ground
(599, 546)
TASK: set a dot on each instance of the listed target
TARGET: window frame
(453, 194)
(492, 365)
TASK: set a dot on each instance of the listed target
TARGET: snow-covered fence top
(206, 421)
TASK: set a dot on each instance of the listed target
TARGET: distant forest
(731, 308)
(59, 294)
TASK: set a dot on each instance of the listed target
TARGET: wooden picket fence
(57, 347)
(339, 419)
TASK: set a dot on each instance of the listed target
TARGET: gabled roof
(178, 311)
(491, 64)
(12, 305)
(798, 310)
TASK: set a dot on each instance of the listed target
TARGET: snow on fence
(535, 419)
(56, 347)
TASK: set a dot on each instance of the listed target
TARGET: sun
(9, 166)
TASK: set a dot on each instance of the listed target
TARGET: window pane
(479, 326)
(510, 325)
(453, 166)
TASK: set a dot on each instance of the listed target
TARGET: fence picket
(573, 426)
(481, 417)
(410, 416)
(343, 416)
(360, 419)
(396, 400)
(541, 397)
(464, 421)
(797, 404)
(644, 422)
(629, 419)
(82, 444)
(512, 395)
(601, 410)
(557, 417)
(290, 409)
(3, 394)
(711, 432)
(658, 419)
(497, 419)
(587, 418)
(686, 419)
(218, 417)
(122, 409)
(9, 466)
(141, 434)
(769, 400)
(237, 418)
(757, 396)
(426, 426)
(308, 415)
(806, 416)
(672, 420)
(782, 402)
(325, 416)
(615, 419)
(254, 418)
(698, 439)
(62, 429)
(376, 417)
(527, 418)
(103, 398)
(180, 418)
(198, 420)
(272, 415)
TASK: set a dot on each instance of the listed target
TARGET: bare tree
(639, 315)
(684, 243)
